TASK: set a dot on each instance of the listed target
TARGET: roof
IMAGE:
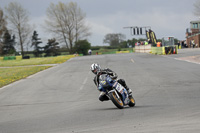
(197, 21)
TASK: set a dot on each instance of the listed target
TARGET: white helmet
(95, 68)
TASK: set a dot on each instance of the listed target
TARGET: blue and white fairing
(106, 83)
(122, 91)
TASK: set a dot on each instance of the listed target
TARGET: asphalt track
(63, 99)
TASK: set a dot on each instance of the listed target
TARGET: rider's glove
(113, 77)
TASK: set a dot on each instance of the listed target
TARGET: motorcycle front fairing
(122, 91)
(106, 83)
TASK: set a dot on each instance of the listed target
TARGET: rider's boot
(103, 97)
(128, 90)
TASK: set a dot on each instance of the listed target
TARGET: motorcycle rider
(96, 69)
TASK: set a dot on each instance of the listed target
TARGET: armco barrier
(119, 52)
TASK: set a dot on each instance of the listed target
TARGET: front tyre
(132, 101)
(117, 101)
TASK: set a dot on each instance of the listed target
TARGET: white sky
(166, 17)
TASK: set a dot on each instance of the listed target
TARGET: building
(193, 34)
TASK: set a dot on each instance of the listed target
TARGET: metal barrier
(157, 50)
(164, 50)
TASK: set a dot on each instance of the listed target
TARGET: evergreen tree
(35, 42)
(51, 49)
(8, 44)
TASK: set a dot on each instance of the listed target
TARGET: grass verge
(35, 61)
(12, 74)
(9, 75)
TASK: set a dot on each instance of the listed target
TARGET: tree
(114, 39)
(2, 29)
(51, 49)
(3, 24)
(197, 8)
(176, 40)
(67, 22)
(133, 41)
(35, 42)
(8, 44)
(82, 47)
(18, 19)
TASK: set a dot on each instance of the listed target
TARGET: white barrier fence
(143, 49)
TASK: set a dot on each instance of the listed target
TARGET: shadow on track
(127, 107)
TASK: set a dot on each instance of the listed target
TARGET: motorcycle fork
(118, 97)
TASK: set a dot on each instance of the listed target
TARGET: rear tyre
(132, 101)
(117, 101)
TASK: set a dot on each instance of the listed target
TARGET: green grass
(13, 73)
(9, 75)
(111, 51)
(35, 61)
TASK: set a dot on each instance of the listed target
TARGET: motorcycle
(115, 91)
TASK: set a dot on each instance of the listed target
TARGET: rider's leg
(103, 97)
(123, 83)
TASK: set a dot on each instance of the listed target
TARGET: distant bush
(26, 57)
(82, 47)
(95, 47)
(110, 47)
(102, 47)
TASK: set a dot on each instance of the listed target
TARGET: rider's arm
(95, 81)
(100, 88)
(112, 74)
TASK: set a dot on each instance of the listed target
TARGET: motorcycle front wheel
(132, 101)
(117, 101)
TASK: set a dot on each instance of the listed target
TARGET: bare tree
(67, 22)
(18, 19)
(2, 23)
(197, 8)
(3, 28)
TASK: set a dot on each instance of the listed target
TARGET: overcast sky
(166, 17)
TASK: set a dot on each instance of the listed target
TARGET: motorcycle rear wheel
(117, 102)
